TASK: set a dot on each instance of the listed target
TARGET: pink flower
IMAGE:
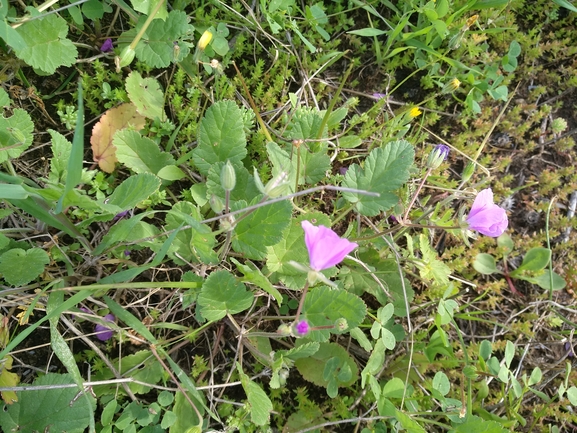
(302, 327)
(326, 248)
(486, 217)
(104, 333)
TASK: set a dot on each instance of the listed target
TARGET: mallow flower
(104, 333)
(486, 217)
(326, 249)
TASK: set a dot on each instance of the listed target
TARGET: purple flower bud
(438, 155)
(326, 249)
(486, 217)
(120, 215)
(107, 46)
(379, 95)
(302, 327)
(104, 333)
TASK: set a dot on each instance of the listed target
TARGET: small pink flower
(326, 248)
(104, 333)
(302, 327)
(486, 217)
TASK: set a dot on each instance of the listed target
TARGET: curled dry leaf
(113, 120)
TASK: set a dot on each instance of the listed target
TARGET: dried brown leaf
(113, 120)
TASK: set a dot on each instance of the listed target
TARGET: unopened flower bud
(468, 171)
(126, 57)
(228, 176)
(204, 40)
(451, 86)
(216, 204)
(341, 324)
(437, 156)
(278, 185)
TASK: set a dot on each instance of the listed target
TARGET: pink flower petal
(326, 249)
(486, 217)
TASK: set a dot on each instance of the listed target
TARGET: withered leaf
(113, 120)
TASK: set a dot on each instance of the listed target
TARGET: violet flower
(107, 46)
(486, 217)
(104, 333)
(302, 327)
(326, 249)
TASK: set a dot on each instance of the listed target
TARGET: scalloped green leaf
(312, 367)
(221, 136)
(192, 245)
(134, 190)
(15, 134)
(261, 228)
(476, 424)
(146, 95)
(223, 294)
(140, 154)
(47, 47)
(55, 409)
(157, 46)
(306, 124)
(385, 170)
(323, 306)
(19, 267)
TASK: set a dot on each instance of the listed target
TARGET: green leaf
(141, 366)
(431, 268)
(572, 393)
(312, 368)
(47, 47)
(15, 134)
(186, 417)
(394, 388)
(134, 190)
(260, 405)
(13, 192)
(385, 170)
(95, 9)
(156, 48)
(441, 383)
(306, 124)
(475, 424)
(11, 36)
(323, 306)
(375, 362)
(146, 95)
(261, 228)
(19, 267)
(148, 6)
(139, 153)
(369, 31)
(54, 409)
(485, 264)
(303, 351)
(535, 260)
(195, 244)
(544, 281)
(509, 353)
(170, 173)
(252, 274)
(222, 294)
(221, 136)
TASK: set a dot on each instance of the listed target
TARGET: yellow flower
(204, 40)
(415, 112)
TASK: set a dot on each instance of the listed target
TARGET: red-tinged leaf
(113, 120)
